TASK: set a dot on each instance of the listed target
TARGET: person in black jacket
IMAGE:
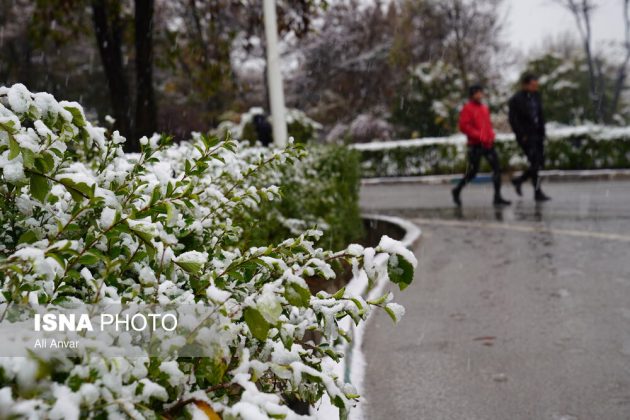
(263, 130)
(528, 123)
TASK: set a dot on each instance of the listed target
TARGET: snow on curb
(550, 174)
(352, 366)
(412, 232)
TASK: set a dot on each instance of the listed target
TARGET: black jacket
(526, 116)
(263, 130)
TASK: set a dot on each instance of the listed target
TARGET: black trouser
(535, 151)
(474, 158)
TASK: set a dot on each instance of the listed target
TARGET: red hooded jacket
(474, 121)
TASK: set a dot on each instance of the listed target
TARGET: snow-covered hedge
(322, 190)
(80, 221)
(583, 147)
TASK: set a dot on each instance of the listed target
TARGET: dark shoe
(500, 201)
(455, 192)
(517, 186)
(541, 196)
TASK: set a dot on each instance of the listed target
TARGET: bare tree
(146, 119)
(108, 28)
(622, 71)
(582, 11)
(473, 35)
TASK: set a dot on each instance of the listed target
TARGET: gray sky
(530, 22)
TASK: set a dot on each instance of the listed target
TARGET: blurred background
(354, 70)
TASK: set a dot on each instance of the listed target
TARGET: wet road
(520, 313)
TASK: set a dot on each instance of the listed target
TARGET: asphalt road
(518, 313)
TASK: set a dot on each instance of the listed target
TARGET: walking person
(528, 123)
(474, 121)
(263, 130)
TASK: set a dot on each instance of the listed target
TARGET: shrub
(564, 82)
(564, 87)
(83, 222)
(586, 147)
(429, 103)
(320, 190)
(367, 127)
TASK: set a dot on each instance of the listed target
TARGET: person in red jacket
(474, 121)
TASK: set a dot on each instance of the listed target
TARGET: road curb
(352, 366)
(413, 233)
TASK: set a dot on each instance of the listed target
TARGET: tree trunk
(595, 76)
(108, 30)
(622, 69)
(146, 120)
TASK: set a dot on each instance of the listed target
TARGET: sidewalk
(551, 175)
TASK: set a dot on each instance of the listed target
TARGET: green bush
(579, 148)
(83, 223)
(322, 190)
(428, 103)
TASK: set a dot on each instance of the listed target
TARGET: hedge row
(585, 147)
(321, 190)
(186, 226)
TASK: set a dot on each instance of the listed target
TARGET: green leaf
(209, 142)
(297, 295)
(14, 147)
(28, 158)
(257, 324)
(190, 266)
(155, 196)
(380, 300)
(391, 314)
(56, 152)
(91, 257)
(45, 164)
(339, 293)
(339, 403)
(211, 370)
(29, 287)
(144, 237)
(72, 227)
(59, 259)
(333, 354)
(78, 190)
(77, 117)
(27, 237)
(400, 271)
(170, 211)
(359, 305)
(39, 187)
(270, 309)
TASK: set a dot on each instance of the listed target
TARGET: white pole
(274, 77)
